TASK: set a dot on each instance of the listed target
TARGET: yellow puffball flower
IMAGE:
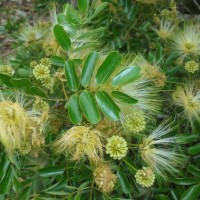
(134, 123)
(41, 71)
(191, 66)
(33, 64)
(116, 147)
(145, 177)
(7, 70)
(104, 178)
(48, 82)
(46, 62)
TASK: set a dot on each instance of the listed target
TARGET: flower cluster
(104, 178)
(191, 66)
(116, 147)
(41, 71)
(145, 177)
(7, 70)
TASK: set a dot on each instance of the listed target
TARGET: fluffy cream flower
(81, 142)
(7, 70)
(159, 152)
(187, 97)
(104, 178)
(41, 71)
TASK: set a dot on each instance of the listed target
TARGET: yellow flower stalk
(159, 152)
(145, 177)
(116, 147)
(7, 70)
(187, 97)
(104, 178)
(81, 142)
(191, 66)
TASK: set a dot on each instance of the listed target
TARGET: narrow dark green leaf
(174, 194)
(3, 164)
(21, 83)
(58, 61)
(194, 149)
(51, 171)
(161, 197)
(71, 76)
(6, 80)
(107, 105)
(72, 15)
(74, 109)
(123, 97)
(89, 107)
(109, 65)
(185, 139)
(123, 181)
(88, 68)
(62, 37)
(6, 182)
(130, 165)
(126, 76)
(192, 193)
(194, 170)
(83, 5)
(24, 73)
(25, 195)
(185, 181)
(37, 91)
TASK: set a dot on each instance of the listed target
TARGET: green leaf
(21, 83)
(161, 197)
(3, 165)
(89, 107)
(25, 195)
(88, 68)
(58, 61)
(24, 73)
(71, 76)
(126, 76)
(194, 170)
(74, 109)
(83, 5)
(6, 80)
(194, 149)
(192, 193)
(62, 37)
(51, 171)
(73, 17)
(78, 196)
(186, 139)
(123, 181)
(98, 10)
(109, 65)
(37, 91)
(6, 182)
(107, 105)
(130, 165)
(123, 97)
(185, 181)
(174, 194)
